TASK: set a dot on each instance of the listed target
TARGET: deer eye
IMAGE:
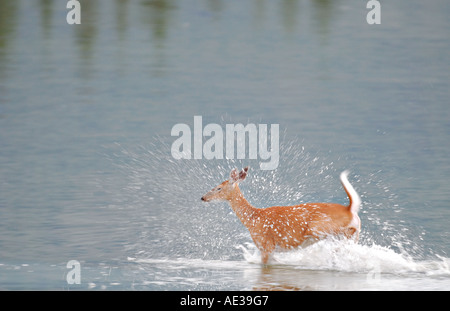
(218, 189)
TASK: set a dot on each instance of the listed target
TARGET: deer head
(225, 190)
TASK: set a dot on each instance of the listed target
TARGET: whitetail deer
(287, 227)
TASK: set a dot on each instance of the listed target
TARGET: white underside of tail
(355, 199)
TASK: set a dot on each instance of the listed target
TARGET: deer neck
(244, 210)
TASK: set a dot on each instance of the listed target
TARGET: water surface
(86, 111)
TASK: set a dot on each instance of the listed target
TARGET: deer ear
(243, 173)
(233, 175)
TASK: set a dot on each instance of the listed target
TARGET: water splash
(162, 198)
(346, 256)
(168, 227)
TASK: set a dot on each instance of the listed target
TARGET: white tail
(355, 200)
(289, 226)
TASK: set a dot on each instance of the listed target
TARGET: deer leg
(264, 257)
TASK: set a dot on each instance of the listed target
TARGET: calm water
(86, 112)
